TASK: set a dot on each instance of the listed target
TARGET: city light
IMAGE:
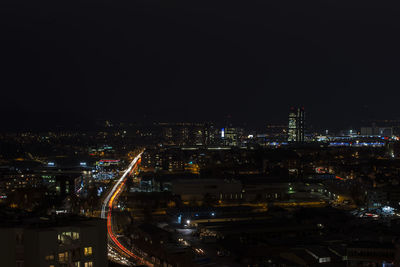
(128, 126)
(107, 207)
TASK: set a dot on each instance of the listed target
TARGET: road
(117, 251)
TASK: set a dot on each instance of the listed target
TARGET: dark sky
(199, 60)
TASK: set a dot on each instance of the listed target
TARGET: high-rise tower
(296, 125)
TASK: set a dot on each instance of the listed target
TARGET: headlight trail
(106, 209)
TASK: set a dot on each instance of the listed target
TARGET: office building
(296, 125)
(231, 136)
(377, 131)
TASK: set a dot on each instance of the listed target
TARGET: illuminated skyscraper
(231, 136)
(296, 125)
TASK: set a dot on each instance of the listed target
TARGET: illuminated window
(88, 251)
(63, 257)
(75, 235)
(326, 259)
(77, 264)
(89, 264)
(51, 265)
(49, 257)
(65, 236)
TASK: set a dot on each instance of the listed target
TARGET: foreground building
(56, 242)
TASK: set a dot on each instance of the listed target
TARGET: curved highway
(106, 211)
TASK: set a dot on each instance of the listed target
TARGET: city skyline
(48, 120)
(199, 133)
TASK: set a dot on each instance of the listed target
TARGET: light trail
(117, 184)
(106, 210)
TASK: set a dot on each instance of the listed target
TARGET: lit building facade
(231, 136)
(182, 134)
(296, 125)
(48, 243)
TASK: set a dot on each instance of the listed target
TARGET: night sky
(199, 60)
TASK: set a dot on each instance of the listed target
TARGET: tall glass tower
(296, 125)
